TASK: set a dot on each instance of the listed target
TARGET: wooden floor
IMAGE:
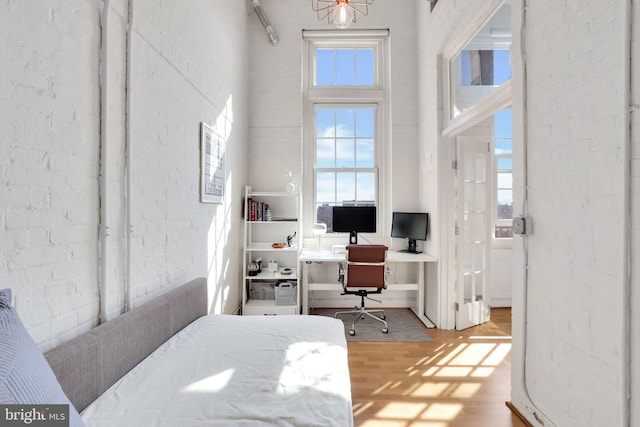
(459, 379)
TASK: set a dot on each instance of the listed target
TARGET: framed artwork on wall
(212, 167)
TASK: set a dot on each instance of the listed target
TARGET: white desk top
(392, 256)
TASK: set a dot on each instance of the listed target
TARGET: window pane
(345, 150)
(364, 67)
(325, 67)
(505, 180)
(504, 232)
(345, 67)
(505, 204)
(365, 153)
(482, 64)
(476, 68)
(345, 64)
(501, 66)
(365, 122)
(503, 119)
(324, 214)
(366, 187)
(325, 122)
(326, 187)
(325, 153)
(346, 184)
(505, 164)
(503, 146)
(345, 122)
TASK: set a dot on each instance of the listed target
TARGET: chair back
(365, 266)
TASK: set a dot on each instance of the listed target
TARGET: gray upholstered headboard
(89, 364)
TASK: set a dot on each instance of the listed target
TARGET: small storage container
(286, 292)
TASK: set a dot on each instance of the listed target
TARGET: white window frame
(346, 96)
(501, 242)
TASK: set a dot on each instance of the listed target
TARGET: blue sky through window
(345, 67)
(345, 140)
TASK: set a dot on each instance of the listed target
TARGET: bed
(167, 363)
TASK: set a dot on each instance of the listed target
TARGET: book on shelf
(257, 211)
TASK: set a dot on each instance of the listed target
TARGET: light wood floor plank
(462, 378)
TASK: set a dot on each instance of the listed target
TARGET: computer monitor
(410, 225)
(354, 220)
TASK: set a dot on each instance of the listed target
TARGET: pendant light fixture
(341, 13)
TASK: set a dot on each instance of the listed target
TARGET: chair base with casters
(365, 275)
(361, 313)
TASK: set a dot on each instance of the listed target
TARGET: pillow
(25, 375)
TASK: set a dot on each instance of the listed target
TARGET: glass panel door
(473, 231)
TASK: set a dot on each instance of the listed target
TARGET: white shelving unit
(258, 292)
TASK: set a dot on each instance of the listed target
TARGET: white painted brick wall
(575, 336)
(576, 339)
(49, 121)
(49, 155)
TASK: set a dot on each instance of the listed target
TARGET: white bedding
(223, 370)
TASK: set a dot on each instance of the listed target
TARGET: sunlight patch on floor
(497, 355)
(430, 389)
(466, 390)
(442, 411)
(402, 410)
(482, 372)
(454, 371)
(472, 354)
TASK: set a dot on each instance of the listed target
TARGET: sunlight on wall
(218, 275)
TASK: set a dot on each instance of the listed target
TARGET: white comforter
(228, 371)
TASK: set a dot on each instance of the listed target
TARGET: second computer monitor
(354, 220)
(410, 225)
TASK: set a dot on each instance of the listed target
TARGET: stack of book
(258, 211)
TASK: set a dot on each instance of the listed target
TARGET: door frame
(452, 128)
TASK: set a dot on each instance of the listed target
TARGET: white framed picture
(212, 168)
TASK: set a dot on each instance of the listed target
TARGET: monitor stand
(412, 249)
(353, 238)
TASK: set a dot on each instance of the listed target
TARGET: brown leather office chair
(365, 275)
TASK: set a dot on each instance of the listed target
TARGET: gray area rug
(403, 326)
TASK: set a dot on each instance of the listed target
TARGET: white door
(472, 231)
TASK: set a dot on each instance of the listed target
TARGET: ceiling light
(341, 13)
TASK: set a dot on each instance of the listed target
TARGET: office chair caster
(352, 332)
(385, 330)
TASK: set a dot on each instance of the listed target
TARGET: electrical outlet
(519, 225)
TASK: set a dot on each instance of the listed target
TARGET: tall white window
(344, 118)
(504, 174)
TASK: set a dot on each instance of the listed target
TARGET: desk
(309, 256)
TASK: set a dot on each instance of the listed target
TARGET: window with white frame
(344, 89)
(504, 174)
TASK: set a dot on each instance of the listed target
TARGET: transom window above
(345, 67)
(482, 65)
